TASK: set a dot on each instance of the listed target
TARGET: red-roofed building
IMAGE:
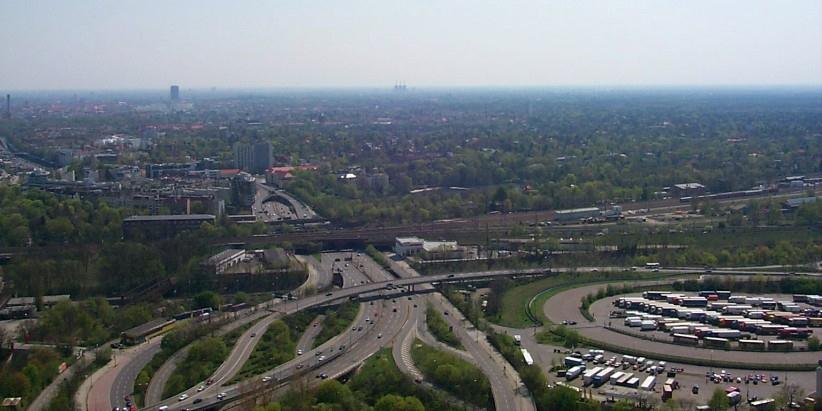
(229, 172)
(277, 176)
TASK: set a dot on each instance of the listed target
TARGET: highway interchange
(397, 318)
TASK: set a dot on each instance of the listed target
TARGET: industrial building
(576, 214)
(162, 226)
(687, 190)
(431, 250)
(145, 331)
(225, 259)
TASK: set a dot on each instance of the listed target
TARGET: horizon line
(390, 87)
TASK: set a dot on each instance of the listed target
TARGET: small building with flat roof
(142, 332)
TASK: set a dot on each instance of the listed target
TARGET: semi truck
(574, 372)
(648, 384)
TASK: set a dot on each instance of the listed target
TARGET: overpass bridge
(404, 286)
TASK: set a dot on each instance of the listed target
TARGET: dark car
(198, 400)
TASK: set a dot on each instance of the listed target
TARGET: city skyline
(93, 45)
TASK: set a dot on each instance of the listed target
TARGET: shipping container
(716, 342)
(780, 345)
(686, 339)
(753, 345)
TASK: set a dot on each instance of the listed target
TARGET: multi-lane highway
(387, 323)
(373, 319)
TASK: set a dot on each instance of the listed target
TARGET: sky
(150, 44)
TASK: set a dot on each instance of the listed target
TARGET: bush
(202, 360)
(813, 343)
(453, 374)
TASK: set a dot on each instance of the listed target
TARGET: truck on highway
(574, 372)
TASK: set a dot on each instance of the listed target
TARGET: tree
(560, 399)
(813, 343)
(207, 299)
(392, 402)
(719, 400)
(240, 298)
(334, 392)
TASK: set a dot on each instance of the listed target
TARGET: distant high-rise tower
(255, 157)
(175, 93)
(8, 106)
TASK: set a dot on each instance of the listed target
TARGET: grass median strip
(277, 345)
(204, 357)
(453, 374)
(440, 329)
(336, 321)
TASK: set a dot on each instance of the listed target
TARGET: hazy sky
(81, 44)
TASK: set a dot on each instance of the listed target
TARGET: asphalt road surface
(565, 306)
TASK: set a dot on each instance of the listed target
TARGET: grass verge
(336, 321)
(514, 307)
(453, 374)
(276, 346)
(440, 329)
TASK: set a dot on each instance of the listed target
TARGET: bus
(527, 356)
(652, 266)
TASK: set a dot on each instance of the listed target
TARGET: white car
(299, 352)
(266, 379)
(221, 395)
(200, 388)
(322, 358)
(182, 397)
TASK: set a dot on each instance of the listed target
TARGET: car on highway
(266, 378)
(300, 352)
(198, 400)
(200, 388)
(253, 334)
(322, 358)
(182, 397)
(221, 395)
(379, 335)
(329, 294)
(322, 376)
(299, 366)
